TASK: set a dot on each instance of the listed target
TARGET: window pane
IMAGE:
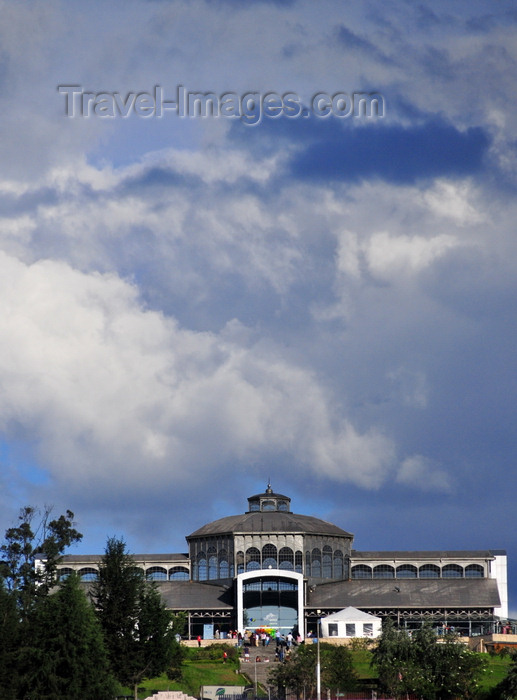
(361, 571)
(452, 571)
(383, 571)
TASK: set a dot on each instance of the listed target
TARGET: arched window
(429, 571)
(239, 558)
(64, 573)
(383, 571)
(268, 505)
(224, 567)
(286, 559)
(156, 573)
(338, 564)
(282, 506)
(298, 562)
(452, 571)
(252, 559)
(88, 574)
(407, 571)
(212, 563)
(327, 562)
(269, 557)
(201, 566)
(178, 573)
(316, 562)
(308, 567)
(474, 571)
(361, 571)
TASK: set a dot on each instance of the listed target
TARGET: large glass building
(269, 567)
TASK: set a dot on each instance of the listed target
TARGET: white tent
(350, 622)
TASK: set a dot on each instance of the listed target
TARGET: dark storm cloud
(329, 151)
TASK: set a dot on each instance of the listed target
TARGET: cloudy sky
(191, 306)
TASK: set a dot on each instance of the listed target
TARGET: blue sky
(191, 306)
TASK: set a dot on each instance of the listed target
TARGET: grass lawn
(200, 672)
(496, 670)
(195, 674)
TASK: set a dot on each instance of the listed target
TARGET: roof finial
(269, 489)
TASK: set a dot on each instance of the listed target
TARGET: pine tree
(139, 631)
(67, 658)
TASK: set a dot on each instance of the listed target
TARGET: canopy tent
(350, 622)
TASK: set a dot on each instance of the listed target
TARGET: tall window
(338, 564)
(269, 557)
(239, 558)
(286, 559)
(298, 563)
(224, 568)
(212, 563)
(201, 566)
(252, 559)
(316, 562)
(327, 562)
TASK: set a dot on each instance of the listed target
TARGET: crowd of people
(284, 643)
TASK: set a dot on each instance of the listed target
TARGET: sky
(291, 288)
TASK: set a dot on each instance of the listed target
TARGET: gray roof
(268, 494)
(147, 558)
(419, 554)
(406, 593)
(264, 522)
(190, 595)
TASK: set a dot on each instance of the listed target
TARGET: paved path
(263, 667)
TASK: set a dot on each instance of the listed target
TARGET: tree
(31, 552)
(9, 643)
(337, 668)
(423, 664)
(139, 631)
(507, 688)
(298, 673)
(67, 658)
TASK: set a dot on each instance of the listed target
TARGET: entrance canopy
(270, 599)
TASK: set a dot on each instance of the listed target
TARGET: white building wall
(499, 571)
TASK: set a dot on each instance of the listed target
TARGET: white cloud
(453, 200)
(107, 388)
(390, 256)
(424, 474)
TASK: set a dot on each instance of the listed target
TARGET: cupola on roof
(269, 512)
(269, 502)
